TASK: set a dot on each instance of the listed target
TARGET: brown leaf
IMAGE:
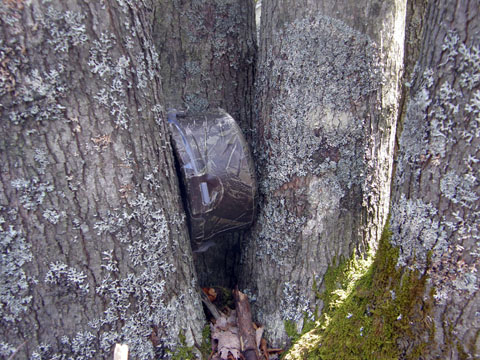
(264, 348)
(225, 332)
(258, 335)
(211, 293)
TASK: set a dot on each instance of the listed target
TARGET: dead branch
(210, 306)
(246, 329)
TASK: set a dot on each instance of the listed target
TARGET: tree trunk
(207, 54)
(435, 205)
(328, 93)
(92, 234)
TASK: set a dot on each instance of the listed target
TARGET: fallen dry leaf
(258, 335)
(211, 293)
(225, 333)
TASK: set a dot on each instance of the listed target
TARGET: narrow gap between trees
(233, 334)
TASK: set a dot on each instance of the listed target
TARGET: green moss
(308, 325)
(225, 296)
(206, 345)
(369, 307)
(183, 352)
(339, 280)
(291, 330)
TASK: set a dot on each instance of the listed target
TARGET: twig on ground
(210, 306)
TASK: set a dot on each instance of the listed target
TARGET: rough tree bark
(207, 49)
(93, 240)
(207, 54)
(328, 89)
(435, 205)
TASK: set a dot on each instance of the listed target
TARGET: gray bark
(435, 204)
(328, 91)
(207, 51)
(92, 233)
(207, 54)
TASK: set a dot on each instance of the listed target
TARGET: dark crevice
(183, 190)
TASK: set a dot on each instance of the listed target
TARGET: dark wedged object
(217, 173)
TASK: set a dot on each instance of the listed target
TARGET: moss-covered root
(369, 312)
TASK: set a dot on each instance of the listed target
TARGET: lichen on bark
(323, 151)
(435, 205)
(91, 224)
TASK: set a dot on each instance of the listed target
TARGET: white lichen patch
(38, 95)
(114, 73)
(41, 158)
(317, 79)
(39, 87)
(312, 130)
(6, 350)
(470, 66)
(31, 193)
(61, 274)
(52, 216)
(295, 306)
(412, 141)
(325, 194)
(439, 146)
(314, 156)
(119, 73)
(150, 253)
(83, 345)
(110, 257)
(331, 122)
(14, 283)
(272, 217)
(416, 231)
(459, 189)
(66, 28)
